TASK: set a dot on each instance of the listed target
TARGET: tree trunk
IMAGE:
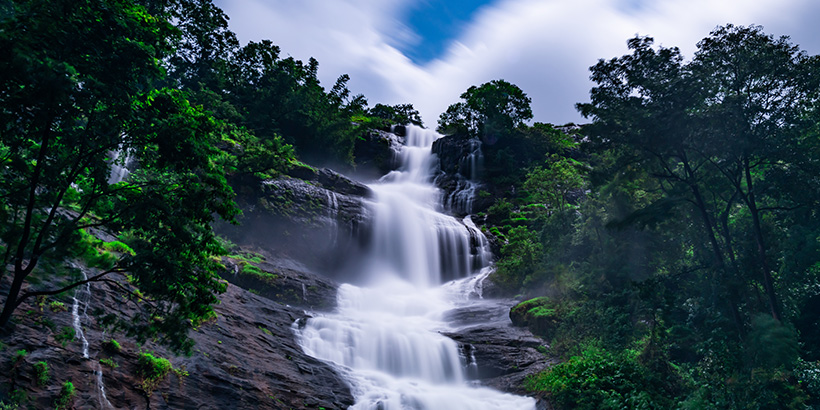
(768, 281)
(11, 300)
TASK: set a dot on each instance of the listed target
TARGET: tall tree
(487, 111)
(78, 82)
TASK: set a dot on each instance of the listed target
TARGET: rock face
(460, 163)
(376, 153)
(315, 219)
(246, 359)
(502, 355)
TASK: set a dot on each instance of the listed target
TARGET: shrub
(109, 362)
(111, 346)
(57, 307)
(152, 370)
(41, 373)
(66, 398)
(66, 335)
(598, 379)
(19, 356)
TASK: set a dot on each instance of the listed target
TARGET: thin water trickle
(386, 337)
(101, 397)
(79, 309)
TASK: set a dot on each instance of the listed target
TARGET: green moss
(539, 314)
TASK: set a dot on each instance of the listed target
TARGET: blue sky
(437, 23)
(427, 52)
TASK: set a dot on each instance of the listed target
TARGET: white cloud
(544, 46)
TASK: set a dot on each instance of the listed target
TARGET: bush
(66, 335)
(598, 380)
(57, 307)
(66, 398)
(109, 362)
(152, 370)
(112, 346)
(41, 373)
(538, 314)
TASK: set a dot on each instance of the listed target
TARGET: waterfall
(385, 337)
(78, 315)
(101, 397)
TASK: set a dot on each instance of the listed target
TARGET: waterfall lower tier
(387, 337)
(387, 341)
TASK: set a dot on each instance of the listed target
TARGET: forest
(667, 251)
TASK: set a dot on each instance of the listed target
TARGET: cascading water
(385, 336)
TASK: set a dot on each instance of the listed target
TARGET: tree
(78, 82)
(487, 112)
(712, 132)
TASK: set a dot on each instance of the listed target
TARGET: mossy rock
(537, 314)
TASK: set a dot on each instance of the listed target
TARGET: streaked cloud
(543, 46)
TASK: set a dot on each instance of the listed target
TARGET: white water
(78, 315)
(385, 337)
(101, 397)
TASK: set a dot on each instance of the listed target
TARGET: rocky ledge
(501, 355)
(313, 216)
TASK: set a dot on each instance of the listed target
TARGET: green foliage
(19, 356)
(65, 400)
(152, 370)
(110, 100)
(683, 242)
(401, 114)
(520, 259)
(487, 112)
(57, 307)
(66, 335)
(109, 362)
(112, 346)
(771, 344)
(597, 379)
(41, 375)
